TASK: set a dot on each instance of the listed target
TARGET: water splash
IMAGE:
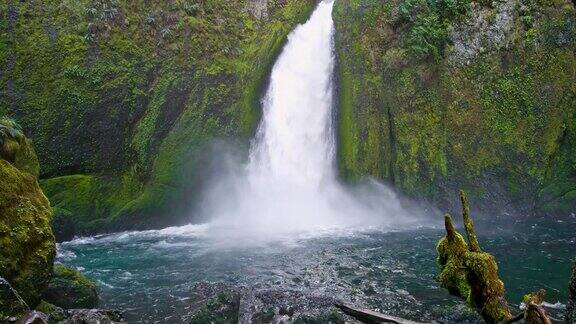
(290, 183)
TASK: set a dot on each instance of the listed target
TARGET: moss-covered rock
(222, 308)
(27, 246)
(441, 95)
(131, 93)
(54, 313)
(16, 148)
(71, 289)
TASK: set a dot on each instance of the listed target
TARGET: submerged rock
(71, 289)
(93, 316)
(219, 303)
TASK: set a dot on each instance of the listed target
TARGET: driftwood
(369, 316)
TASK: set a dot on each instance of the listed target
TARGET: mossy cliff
(27, 247)
(441, 95)
(122, 97)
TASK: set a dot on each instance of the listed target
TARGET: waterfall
(294, 145)
(290, 182)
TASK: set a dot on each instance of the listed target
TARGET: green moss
(149, 84)
(27, 247)
(433, 126)
(70, 289)
(223, 308)
(55, 314)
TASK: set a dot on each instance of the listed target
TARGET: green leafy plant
(11, 136)
(429, 21)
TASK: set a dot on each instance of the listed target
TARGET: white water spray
(289, 185)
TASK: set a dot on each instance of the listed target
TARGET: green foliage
(69, 288)
(11, 136)
(429, 21)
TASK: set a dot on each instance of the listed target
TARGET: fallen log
(369, 316)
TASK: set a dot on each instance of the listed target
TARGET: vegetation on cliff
(441, 95)
(123, 97)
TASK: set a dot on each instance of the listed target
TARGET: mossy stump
(535, 313)
(470, 274)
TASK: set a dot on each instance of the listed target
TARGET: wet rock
(63, 225)
(33, 317)
(222, 303)
(93, 316)
(11, 304)
(54, 313)
(71, 289)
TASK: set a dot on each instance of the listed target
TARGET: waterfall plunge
(289, 185)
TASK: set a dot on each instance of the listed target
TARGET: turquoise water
(149, 275)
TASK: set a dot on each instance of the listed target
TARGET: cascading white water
(289, 184)
(294, 145)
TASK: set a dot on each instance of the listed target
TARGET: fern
(11, 136)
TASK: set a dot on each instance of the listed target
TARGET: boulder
(33, 317)
(27, 246)
(54, 313)
(93, 316)
(222, 308)
(71, 289)
(63, 225)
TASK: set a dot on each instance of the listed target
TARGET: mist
(289, 185)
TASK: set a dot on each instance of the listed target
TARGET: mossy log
(470, 274)
(369, 316)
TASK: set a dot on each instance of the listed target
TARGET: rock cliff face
(437, 96)
(122, 97)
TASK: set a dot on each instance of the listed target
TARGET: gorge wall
(124, 98)
(438, 96)
(121, 98)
